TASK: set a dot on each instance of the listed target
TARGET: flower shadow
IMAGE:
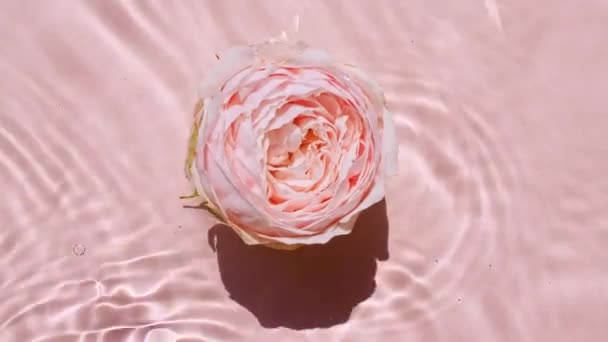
(314, 286)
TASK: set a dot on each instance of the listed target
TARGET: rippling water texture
(497, 226)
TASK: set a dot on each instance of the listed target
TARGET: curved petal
(337, 229)
(389, 139)
(390, 149)
(230, 62)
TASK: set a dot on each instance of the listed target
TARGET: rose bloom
(288, 146)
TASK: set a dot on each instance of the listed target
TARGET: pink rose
(288, 146)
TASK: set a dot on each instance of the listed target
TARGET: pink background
(498, 221)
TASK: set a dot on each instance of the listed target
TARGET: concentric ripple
(457, 181)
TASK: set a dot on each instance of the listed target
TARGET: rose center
(297, 156)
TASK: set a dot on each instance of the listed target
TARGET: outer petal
(375, 195)
(230, 62)
(337, 229)
(389, 138)
(390, 150)
(365, 80)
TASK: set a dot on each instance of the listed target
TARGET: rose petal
(230, 62)
(390, 149)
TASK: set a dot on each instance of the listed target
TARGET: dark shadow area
(312, 287)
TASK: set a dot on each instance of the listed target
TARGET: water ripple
(459, 177)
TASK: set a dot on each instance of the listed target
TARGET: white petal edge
(340, 228)
(390, 150)
(230, 63)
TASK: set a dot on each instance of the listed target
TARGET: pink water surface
(497, 225)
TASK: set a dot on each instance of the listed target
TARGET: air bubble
(79, 249)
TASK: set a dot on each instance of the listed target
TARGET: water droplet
(79, 249)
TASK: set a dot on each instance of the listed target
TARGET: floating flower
(288, 146)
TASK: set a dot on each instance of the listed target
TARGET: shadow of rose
(314, 286)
